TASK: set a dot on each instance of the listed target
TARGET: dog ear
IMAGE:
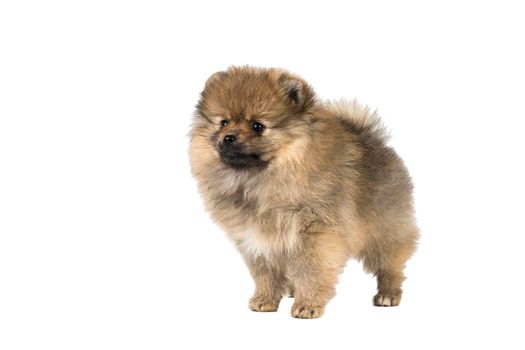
(214, 78)
(296, 91)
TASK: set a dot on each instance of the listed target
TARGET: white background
(104, 243)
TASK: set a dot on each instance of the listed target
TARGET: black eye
(224, 122)
(257, 127)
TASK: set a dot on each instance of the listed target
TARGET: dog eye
(257, 127)
(224, 122)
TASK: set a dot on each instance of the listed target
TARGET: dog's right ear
(206, 102)
(214, 78)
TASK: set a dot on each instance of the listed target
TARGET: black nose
(229, 139)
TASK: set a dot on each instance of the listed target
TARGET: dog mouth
(237, 159)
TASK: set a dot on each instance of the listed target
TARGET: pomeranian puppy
(300, 186)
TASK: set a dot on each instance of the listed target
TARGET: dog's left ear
(297, 92)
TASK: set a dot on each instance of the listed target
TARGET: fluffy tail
(359, 118)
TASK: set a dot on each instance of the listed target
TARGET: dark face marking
(235, 156)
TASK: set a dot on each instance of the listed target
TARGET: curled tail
(359, 119)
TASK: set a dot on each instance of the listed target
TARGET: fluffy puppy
(300, 186)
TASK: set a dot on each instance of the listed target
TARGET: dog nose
(229, 139)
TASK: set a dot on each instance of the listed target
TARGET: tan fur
(324, 188)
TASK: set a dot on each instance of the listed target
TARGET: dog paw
(306, 311)
(387, 299)
(263, 305)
